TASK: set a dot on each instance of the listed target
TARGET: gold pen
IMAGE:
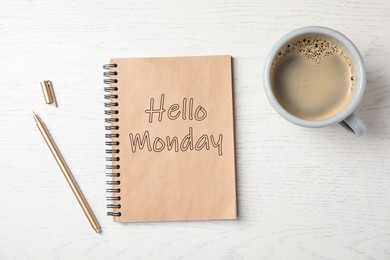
(68, 175)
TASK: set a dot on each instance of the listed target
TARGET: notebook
(171, 139)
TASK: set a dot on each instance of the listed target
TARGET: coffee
(312, 77)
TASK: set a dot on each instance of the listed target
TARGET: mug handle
(354, 124)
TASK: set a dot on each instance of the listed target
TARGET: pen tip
(35, 116)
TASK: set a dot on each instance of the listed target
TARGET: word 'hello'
(174, 110)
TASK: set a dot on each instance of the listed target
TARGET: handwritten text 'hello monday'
(173, 143)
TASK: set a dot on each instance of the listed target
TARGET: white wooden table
(303, 193)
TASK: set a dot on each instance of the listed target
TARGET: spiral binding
(111, 120)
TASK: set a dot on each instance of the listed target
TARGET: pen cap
(48, 93)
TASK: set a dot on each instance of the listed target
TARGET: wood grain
(303, 193)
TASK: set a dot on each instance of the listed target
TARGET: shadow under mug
(345, 117)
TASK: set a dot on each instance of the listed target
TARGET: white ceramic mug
(345, 117)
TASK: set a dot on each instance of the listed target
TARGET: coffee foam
(312, 77)
(314, 48)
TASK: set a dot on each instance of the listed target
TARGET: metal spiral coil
(111, 120)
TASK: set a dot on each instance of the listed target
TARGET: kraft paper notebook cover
(171, 139)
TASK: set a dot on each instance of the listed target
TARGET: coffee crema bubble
(312, 77)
